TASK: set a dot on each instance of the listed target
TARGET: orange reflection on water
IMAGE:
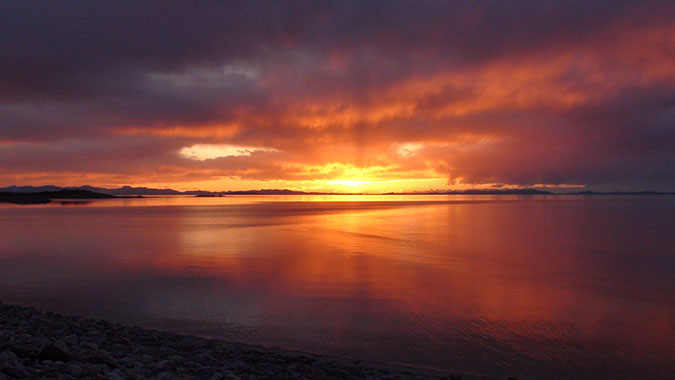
(470, 260)
(560, 287)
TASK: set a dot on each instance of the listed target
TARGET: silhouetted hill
(47, 196)
(129, 190)
(124, 190)
(267, 192)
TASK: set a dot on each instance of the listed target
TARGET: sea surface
(534, 287)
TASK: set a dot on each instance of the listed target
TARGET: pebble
(10, 364)
(116, 374)
(55, 351)
(165, 376)
(164, 365)
(39, 345)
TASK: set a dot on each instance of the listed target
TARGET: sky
(357, 96)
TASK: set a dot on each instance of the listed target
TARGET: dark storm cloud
(80, 49)
(517, 92)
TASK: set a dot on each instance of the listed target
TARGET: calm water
(532, 287)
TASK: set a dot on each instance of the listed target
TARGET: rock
(97, 357)
(55, 351)
(26, 350)
(116, 374)
(38, 345)
(5, 337)
(89, 369)
(73, 369)
(130, 362)
(11, 365)
(165, 376)
(164, 365)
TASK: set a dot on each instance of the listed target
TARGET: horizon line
(469, 191)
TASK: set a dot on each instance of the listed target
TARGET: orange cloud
(451, 101)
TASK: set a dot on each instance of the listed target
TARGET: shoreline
(41, 344)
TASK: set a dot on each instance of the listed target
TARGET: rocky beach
(43, 345)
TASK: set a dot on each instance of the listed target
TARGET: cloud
(202, 152)
(518, 93)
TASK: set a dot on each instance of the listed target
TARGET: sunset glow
(337, 102)
(202, 152)
(337, 189)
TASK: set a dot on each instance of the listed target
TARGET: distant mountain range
(131, 191)
(124, 190)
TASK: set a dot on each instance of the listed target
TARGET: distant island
(41, 197)
(134, 191)
(44, 194)
(120, 191)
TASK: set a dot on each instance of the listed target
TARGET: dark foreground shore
(44, 345)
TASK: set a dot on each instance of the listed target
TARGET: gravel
(44, 345)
